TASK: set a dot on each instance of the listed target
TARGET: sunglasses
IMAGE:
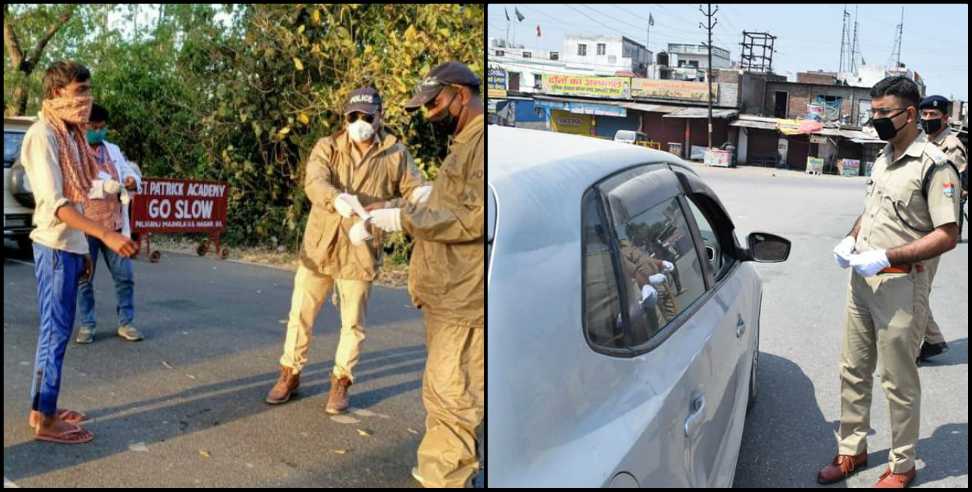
(355, 116)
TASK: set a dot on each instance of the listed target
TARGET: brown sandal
(73, 436)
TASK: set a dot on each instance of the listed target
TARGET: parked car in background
(18, 200)
(624, 317)
(630, 136)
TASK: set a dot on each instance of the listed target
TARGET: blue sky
(935, 39)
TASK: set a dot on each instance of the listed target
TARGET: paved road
(789, 434)
(185, 407)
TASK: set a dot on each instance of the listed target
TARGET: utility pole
(843, 40)
(853, 60)
(896, 49)
(710, 23)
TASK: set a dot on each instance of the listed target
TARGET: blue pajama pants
(57, 273)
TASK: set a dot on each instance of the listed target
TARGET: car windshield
(11, 147)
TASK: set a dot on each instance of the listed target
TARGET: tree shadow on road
(205, 407)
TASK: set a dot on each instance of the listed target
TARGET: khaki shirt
(446, 274)
(951, 146)
(39, 155)
(895, 212)
(385, 172)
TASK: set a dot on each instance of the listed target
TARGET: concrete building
(613, 54)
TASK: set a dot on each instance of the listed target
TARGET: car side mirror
(768, 248)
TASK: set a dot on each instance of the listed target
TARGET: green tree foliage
(240, 93)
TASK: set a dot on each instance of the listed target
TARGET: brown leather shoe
(890, 480)
(337, 400)
(285, 387)
(842, 467)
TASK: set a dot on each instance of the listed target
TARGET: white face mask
(361, 131)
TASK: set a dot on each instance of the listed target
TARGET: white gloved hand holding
(649, 296)
(669, 267)
(344, 204)
(420, 195)
(843, 251)
(387, 219)
(869, 263)
(657, 279)
(359, 233)
(100, 188)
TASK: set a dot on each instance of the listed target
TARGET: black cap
(448, 73)
(365, 100)
(934, 102)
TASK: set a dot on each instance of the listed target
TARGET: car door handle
(696, 415)
(740, 327)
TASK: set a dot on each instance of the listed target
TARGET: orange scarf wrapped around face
(79, 168)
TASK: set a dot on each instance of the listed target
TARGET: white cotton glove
(420, 195)
(669, 267)
(843, 251)
(387, 219)
(869, 263)
(657, 279)
(102, 187)
(344, 204)
(112, 187)
(359, 233)
(649, 296)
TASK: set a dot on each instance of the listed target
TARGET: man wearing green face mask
(114, 174)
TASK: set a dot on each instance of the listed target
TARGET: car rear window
(602, 304)
(660, 266)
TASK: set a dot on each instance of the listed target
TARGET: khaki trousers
(453, 392)
(933, 334)
(886, 317)
(310, 292)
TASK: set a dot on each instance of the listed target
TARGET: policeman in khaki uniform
(359, 165)
(652, 278)
(446, 278)
(910, 209)
(934, 121)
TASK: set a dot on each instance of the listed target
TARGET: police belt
(903, 268)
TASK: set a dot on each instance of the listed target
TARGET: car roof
(519, 155)
(18, 123)
(539, 179)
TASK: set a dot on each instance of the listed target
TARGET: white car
(623, 317)
(18, 200)
(630, 136)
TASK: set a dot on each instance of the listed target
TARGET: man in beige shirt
(909, 217)
(446, 277)
(61, 171)
(360, 165)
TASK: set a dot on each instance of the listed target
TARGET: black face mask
(931, 127)
(885, 126)
(447, 123)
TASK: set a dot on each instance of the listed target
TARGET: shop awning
(652, 108)
(761, 125)
(702, 113)
(581, 106)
